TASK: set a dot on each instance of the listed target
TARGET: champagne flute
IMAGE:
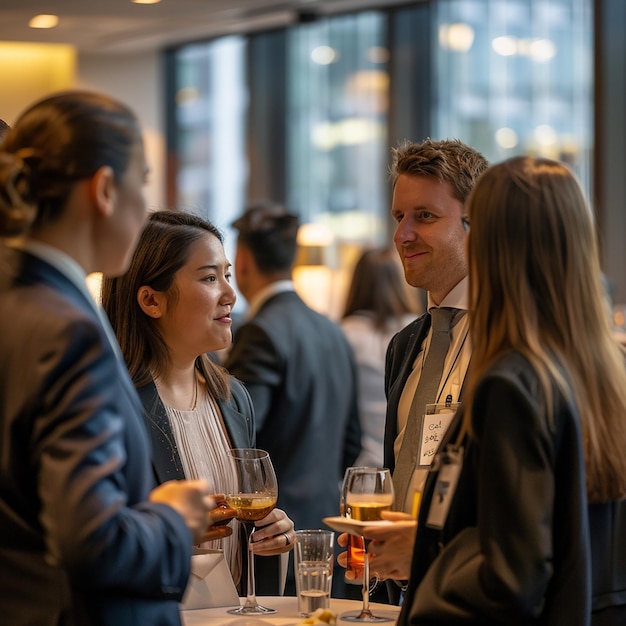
(254, 497)
(369, 492)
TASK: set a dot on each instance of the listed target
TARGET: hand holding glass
(254, 498)
(369, 492)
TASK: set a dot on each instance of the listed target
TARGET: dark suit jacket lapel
(409, 354)
(233, 421)
(405, 351)
(165, 458)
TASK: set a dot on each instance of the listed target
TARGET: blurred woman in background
(378, 305)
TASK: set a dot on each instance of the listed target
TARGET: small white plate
(352, 526)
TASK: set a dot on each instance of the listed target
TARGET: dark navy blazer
(79, 542)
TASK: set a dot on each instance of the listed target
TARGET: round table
(287, 615)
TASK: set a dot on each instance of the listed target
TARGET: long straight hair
(536, 288)
(378, 287)
(163, 248)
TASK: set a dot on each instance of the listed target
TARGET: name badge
(435, 423)
(448, 464)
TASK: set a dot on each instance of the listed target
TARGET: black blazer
(238, 416)
(79, 541)
(515, 546)
(607, 527)
(237, 413)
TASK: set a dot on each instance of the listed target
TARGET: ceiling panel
(114, 26)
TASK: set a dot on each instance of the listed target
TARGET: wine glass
(253, 498)
(356, 547)
(369, 492)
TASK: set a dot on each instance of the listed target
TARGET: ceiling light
(44, 21)
(146, 1)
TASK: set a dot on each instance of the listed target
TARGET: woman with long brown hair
(503, 532)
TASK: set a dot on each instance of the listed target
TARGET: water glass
(313, 564)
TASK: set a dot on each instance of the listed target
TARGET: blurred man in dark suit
(299, 370)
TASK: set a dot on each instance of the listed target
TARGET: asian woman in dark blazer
(169, 311)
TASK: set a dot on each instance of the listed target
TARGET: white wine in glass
(368, 492)
(255, 496)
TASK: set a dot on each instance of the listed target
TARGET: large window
(210, 175)
(515, 76)
(307, 115)
(336, 112)
(506, 76)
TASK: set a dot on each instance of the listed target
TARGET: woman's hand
(391, 546)
(191, 499)
(216, 532)
(274, 534)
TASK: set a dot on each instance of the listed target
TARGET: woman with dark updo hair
(84, 537)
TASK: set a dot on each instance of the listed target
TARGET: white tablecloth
(287, 615)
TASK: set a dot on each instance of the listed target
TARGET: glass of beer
(369, 492)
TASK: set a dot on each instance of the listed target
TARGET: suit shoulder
(513, 377)
(286, 311)
(514, 368)
(403, 336)
(239, 393)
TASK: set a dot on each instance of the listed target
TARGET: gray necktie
(426, 393)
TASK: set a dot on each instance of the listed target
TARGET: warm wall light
(310, 234)
(29, 71)
(146, 1)
(314, 243)
(44, 21)
(312, 274)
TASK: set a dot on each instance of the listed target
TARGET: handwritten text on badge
(434, 427)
